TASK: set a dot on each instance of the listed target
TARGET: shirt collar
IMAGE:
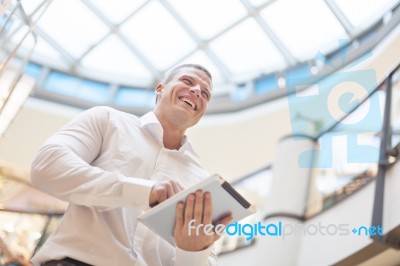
(149, 119)
(150, 122)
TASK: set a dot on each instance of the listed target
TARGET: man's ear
(160, 88)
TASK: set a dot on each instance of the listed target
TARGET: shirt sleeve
(205, 257)
(62, 167)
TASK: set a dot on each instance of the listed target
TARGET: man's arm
(62, 167)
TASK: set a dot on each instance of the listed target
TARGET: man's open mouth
(188, 102)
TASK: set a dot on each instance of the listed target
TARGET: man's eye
(205, 94)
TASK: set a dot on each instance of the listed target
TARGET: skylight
(132, 43)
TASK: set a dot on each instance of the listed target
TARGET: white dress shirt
(104, 163)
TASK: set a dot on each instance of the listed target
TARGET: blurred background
(304, 119)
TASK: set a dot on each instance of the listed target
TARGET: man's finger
(176, 187)
(189, 208)
(169, 189)
(162, 195)
(179, 216)
(207, 208)
(180, 186)
(226, 220)
(198, 207)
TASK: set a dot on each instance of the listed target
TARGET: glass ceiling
(133, 42)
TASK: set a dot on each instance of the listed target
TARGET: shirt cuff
(192, 258)
(138, 190)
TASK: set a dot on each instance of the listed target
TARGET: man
(111, 166)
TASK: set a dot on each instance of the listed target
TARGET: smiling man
(111, 166)
(182, 100)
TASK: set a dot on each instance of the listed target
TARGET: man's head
(184, 94)
(175, 70)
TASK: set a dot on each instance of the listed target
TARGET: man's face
(185, 96)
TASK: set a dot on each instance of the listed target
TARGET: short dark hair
(172, 72)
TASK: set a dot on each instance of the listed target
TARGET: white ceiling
(138, 40)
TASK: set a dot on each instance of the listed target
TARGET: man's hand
(162, 191)
(198, 207)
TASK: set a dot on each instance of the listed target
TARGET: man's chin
(187, 119)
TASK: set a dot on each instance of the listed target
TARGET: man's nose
(195, 89)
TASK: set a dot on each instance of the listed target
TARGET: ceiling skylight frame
(201, 44)
(74, 64)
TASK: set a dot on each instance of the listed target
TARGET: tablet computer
(225, 199)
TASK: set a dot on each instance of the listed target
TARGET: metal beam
(202, 44)
(343, 20)
(115, 29)
(255, 13)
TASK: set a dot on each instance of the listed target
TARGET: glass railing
(27, 216)
(341, 179)
(22, 232)
(15, 85)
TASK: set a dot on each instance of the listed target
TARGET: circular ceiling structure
(115, 51)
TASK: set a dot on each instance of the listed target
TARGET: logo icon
(317, 102)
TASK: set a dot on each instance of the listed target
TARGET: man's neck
(172, 135)
(172, 141)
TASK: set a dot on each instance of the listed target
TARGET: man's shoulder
(112, 111)
(107, 113)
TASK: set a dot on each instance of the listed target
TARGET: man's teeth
(186, 100)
